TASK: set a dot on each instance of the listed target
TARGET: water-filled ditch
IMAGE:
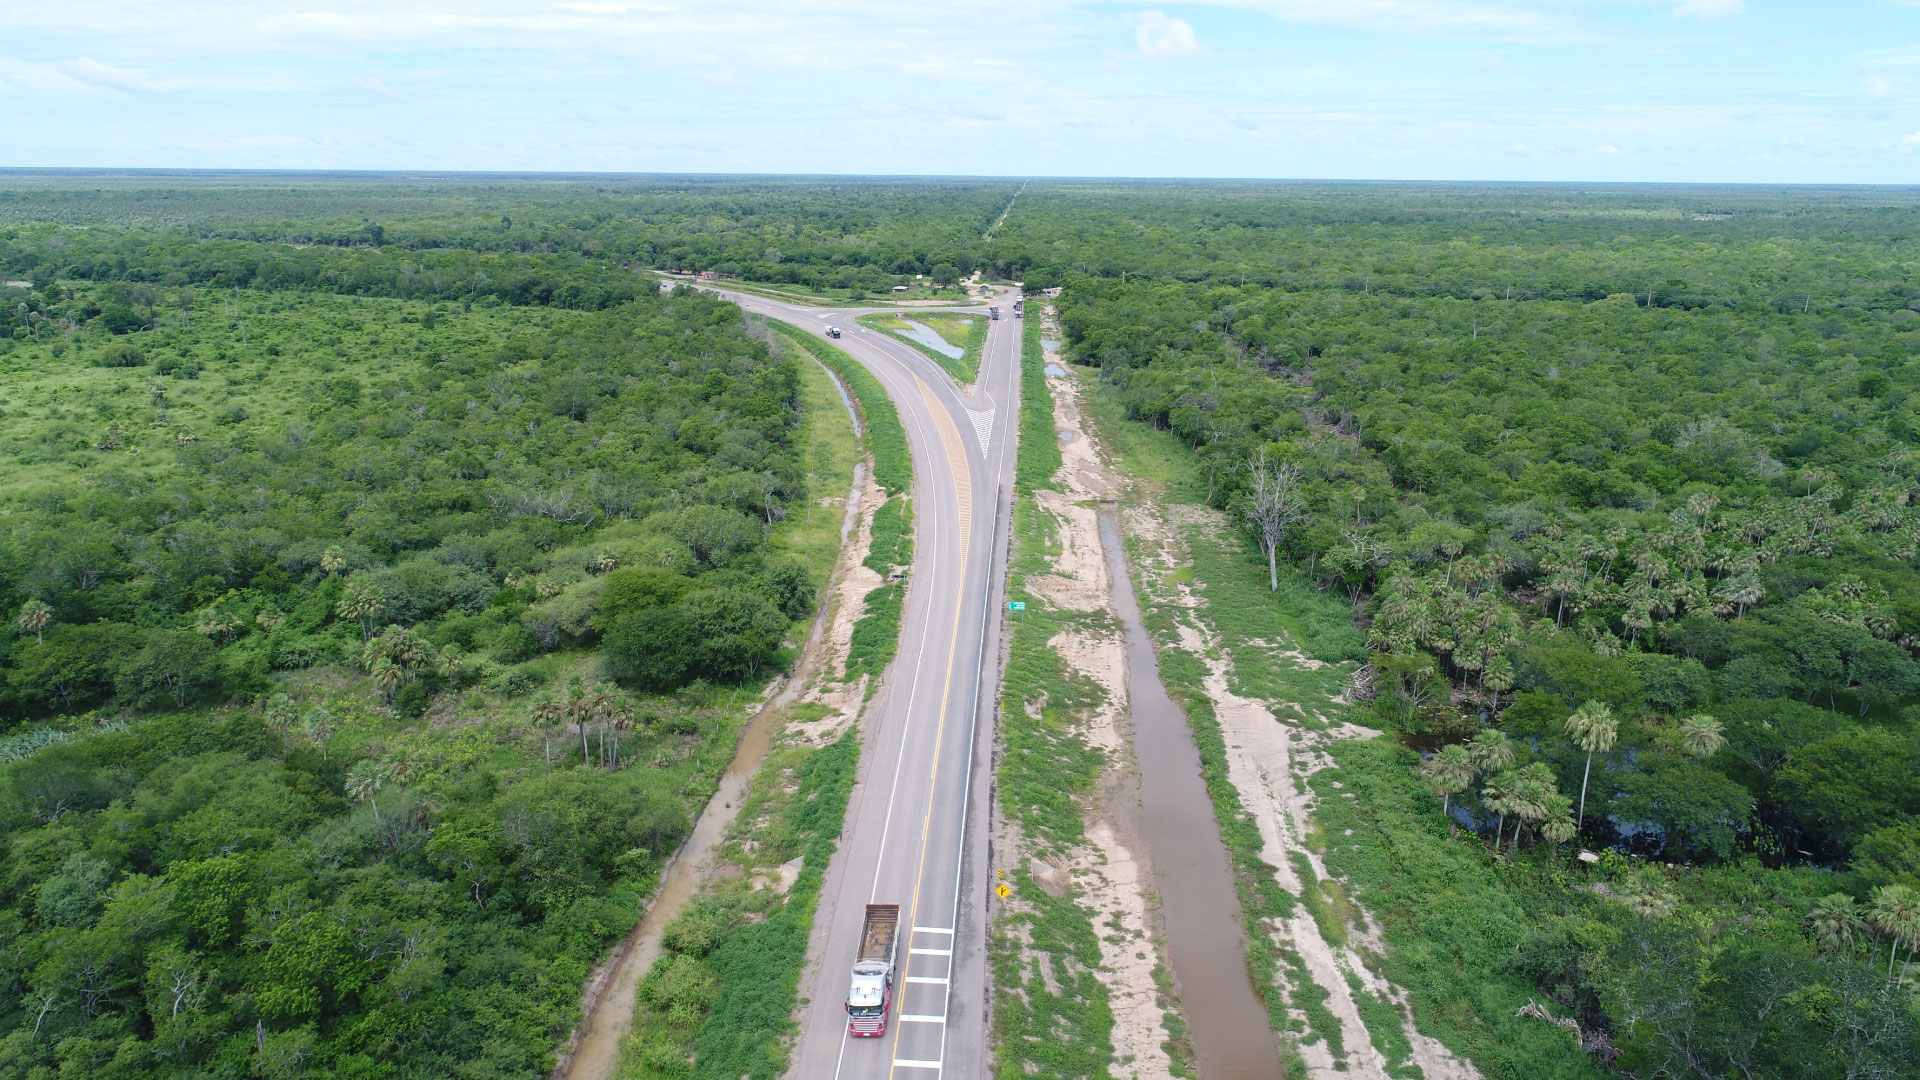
(928, 336)
(1226, 1019)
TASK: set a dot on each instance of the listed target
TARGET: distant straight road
(916, 831)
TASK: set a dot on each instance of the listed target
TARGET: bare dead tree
(1273, 506)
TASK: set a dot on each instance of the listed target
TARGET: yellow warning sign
(1002, 891)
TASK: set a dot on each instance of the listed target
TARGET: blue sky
(1664, 90)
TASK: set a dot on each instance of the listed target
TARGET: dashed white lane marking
(909, 1063)
(937, 980)
(932, 952)
(982, 426)
(933, 930)
(921, 1018)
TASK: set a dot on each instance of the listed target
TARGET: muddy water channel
(1226, 1019)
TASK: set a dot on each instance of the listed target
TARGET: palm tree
(1895, 911)
(331, 561)
(1534, 796)
(362, 603)
(363, 783)
(1491, 751)
(1497, 678)
(1559, 826)
(35, 617)
(546, 713)
(580, 711)
(388, 676)
(1594, 728)
(211, 622)
(315, 725)
(1835, 923)
(602, 704)
(1447, 772)
(1502, 796)
(1700, 735)
(1741, 592)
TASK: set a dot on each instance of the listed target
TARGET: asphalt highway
(916, 828)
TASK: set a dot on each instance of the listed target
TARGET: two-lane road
(915, 831)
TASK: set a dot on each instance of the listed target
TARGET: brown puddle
(611, 1014)
(1226, 1019)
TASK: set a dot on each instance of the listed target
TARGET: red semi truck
(871, 994)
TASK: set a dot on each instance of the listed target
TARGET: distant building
(899, 288)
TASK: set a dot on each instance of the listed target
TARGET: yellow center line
(963, 493)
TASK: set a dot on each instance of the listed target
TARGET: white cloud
(1910, 143)
(1161, 36)
(1609, 150)
(1875, 86)
(1890, 57)
(376, 86)
(94, 73)
(1509, 19)
(1711, 9)
(616, 9)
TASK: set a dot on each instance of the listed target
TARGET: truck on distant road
(833, 331)
(993, 313)
(872, 992)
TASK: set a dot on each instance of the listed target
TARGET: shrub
(121, 355)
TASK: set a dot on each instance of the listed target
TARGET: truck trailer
(871, 994)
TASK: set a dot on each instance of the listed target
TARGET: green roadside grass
(966, 331)
(1039, 456)
(1052, 1015)
(813, 533)
(876, 636)
(886, 438)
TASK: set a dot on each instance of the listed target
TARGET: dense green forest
(510, 238)
(334, 506)
(1631, 572)
(370, 656)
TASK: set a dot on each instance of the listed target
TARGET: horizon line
(428, 174)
